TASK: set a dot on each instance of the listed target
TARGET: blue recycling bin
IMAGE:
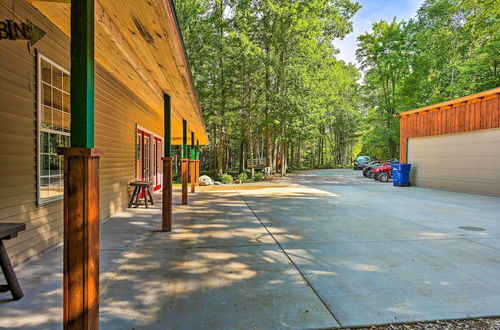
(401, 175)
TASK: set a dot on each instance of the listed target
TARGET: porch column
(193, 164)
(81, 181)
(197, 162)
(167, 166)
(184, 163)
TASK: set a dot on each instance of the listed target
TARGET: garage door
(467, 162)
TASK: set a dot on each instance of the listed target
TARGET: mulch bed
(479, 324)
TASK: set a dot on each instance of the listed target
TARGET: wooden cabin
(139, 56)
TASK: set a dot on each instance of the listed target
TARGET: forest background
(273, 91)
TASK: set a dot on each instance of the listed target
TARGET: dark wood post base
(167, 194)
(81, 237)
(184, 175)
(192, 164)
(197, 177)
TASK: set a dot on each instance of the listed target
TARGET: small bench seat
(144, 188)
(9, 231)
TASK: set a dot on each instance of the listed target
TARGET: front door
(157, 163)
(143, 156)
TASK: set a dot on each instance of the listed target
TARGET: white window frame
(39, 129)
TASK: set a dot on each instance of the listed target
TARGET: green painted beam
(197, 149)
(167, 135)
(184, 140)
(82, 73)
(193, 152)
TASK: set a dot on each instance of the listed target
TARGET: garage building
(455, 145)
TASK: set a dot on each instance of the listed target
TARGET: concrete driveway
(378, 254)
(321, 249)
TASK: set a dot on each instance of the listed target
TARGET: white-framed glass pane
(54, 128)
(66, 83)
(46, 95)
(66, 102)
(57, 120)
(44, 187)
(44, 165)
(46, 117)
(46, 72)
(57, 78)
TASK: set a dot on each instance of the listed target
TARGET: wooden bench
(143, 187)
(9, 231)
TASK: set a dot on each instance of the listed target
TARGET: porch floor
(218, 269)
(308, 251)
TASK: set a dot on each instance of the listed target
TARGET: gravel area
(479, 324)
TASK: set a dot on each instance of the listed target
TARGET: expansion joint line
(288, 257)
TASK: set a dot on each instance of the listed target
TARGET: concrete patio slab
(321, 249)
(378, 254)
(210, 288)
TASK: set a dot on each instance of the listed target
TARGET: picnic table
(9, 231)
(144, 188)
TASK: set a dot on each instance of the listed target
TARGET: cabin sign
(20, 31)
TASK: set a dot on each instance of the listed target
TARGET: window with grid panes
(54, 117)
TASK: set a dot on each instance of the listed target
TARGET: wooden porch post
(167, 166)
(193, 164)
(184, 163)
(81, 181)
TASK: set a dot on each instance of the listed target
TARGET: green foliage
(267, 77)
(270, 85)
(226, 179)
(450, 49)
(258, 176)
(176, 178)
(242, 176)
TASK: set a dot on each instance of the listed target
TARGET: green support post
(193, 152)
(184, 140)
(82, 73)
(168, 125)
(197, 150)
(184, 164)
(167, 166)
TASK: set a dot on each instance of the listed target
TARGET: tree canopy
(271, 86)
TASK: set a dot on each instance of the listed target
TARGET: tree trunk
(242, 155)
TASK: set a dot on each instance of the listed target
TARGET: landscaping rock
(205, 180)
(217, 183)
(237, 181)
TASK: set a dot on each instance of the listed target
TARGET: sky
(374, 11)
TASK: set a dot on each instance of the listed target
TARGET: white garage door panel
(468, 162)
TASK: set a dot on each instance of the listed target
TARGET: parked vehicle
(361, 161)
(383, 169)
(368, 167)
(383, 173)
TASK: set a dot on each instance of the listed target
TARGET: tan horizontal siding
(117, 112)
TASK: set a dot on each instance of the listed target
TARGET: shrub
(243, 177)
(258, 176)
(226, 179)
(176, 178)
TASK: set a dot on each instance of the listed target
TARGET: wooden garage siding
(117, 112)
(476, 112)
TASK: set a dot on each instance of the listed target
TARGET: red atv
(383, 173)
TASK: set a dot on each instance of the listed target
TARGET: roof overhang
(140, 43)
